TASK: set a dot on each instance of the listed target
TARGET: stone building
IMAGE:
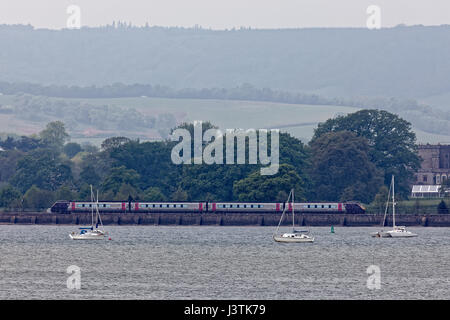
(435, 164)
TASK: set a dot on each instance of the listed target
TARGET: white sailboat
(91, 233)
(397, 231)
(295, 235)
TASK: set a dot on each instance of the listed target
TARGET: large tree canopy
(54, 135)
(341, 169)
(270, 188)
(392, 142)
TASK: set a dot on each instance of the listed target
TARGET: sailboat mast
(293, 225)
(282, 215)
(393, 202)
(92, 208)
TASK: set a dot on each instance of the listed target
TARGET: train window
(245, 206)
(167, 205)
(323, 206)
(251, 206)
(154, 206)
(160, 205)
(309, 206)
(237, 206)
(315, 206)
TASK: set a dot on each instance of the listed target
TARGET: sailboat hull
(393, 234)
(292, 239)
(87, 236)
(404, 234)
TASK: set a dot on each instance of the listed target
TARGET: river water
(202, 262)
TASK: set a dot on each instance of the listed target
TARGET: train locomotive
(67, 207)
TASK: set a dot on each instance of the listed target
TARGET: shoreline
(224, 219)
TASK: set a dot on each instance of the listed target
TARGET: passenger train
(63, 206)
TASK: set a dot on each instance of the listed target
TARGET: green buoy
(332, 229)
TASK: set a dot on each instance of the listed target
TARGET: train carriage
(245, 207)
(169, 206)
(87, 206)
(325, 207)
(63, 206)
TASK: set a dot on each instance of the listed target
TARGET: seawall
(224, 219)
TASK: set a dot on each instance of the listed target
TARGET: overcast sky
(225, 14)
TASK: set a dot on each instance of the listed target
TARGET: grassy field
(298, 120)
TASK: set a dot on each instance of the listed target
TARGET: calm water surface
(199, 262)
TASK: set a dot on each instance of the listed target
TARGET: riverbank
(224, 219)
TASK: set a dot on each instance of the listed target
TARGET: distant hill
(403, 62)
(93, 120)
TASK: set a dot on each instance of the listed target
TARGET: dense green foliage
(392, 143)
(442, 207)
(342, 169)
(343, 162)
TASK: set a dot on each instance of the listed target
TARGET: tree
(8, 163)
(442, 207)
(89, 175)
(71, 149)
(119, 176)
(256, 187)
(341, 168)
(10, 197)
(38, 199)
(391, 139)
(126, 192)
(54, 135)
(179, 195)
(114, 142)
(379, 202)
(64, 193)
(42, 168)
(154, 194)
